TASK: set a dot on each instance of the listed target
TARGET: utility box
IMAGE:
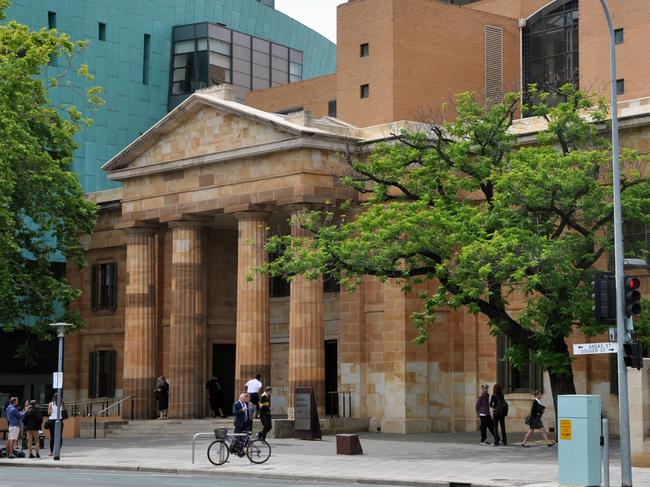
(579, 450)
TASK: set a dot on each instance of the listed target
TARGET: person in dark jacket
(499, 412)
(32, 423)
(265, 412)
(213, 387)
(162, 396)
(535, 420)
(483, 411)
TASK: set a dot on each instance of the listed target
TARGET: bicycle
(257, 450)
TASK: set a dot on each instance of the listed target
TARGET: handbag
(64, 414)
(47, 424)
(527, 420)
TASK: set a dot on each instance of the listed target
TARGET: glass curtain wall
(209, 54)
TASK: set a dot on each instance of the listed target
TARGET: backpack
(502, 408)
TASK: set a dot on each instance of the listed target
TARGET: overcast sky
(320, 15)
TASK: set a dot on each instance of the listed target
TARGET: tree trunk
(562, 383)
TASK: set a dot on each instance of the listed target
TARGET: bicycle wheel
(218, 452)
(258, 451)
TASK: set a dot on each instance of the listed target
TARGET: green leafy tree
(510, 229)
(43, 211)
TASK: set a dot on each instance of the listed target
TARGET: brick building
(167, 290)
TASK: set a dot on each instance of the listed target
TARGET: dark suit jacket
(242, 422)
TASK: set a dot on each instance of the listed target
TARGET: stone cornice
(243, 153)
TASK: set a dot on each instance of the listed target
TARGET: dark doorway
(223, 367)
(331, 378)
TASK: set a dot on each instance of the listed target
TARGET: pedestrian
(32, 421)
(483, 411)
(162, 397)
(534, 420)
(214, 396)
(243, 412)
(53, 415)
(253, 388)
(14, 420)
(499, 412)
(265, 413)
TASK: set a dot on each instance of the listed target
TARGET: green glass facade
(130, 54)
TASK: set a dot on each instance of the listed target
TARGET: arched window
(550, 46)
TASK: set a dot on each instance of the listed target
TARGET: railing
(88, 408)
(104, 412)
(341, 399)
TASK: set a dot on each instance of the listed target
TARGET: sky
(320, 15)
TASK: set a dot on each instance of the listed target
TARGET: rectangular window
(146, 59)
(103, 287)
(331, 108)
(102, 31)
(101, 373)
(51, 20)
(364, 50)
(331, 285)
(526, 378)
(620, 86)
(619, 36)
(364, 91)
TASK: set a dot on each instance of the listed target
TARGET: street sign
(57, 380)
(591, 348)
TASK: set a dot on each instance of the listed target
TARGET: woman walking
(162, 396)
(483, 411)
(500, 411)
(535, 420)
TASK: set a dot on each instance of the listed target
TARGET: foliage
(509, 229)
(42, 207)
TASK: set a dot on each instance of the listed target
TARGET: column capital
(252, 215)
(139, 227)
(305, 207)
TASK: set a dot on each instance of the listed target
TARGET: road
(22, 476)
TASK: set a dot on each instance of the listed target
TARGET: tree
(43, 211)
(489, 218)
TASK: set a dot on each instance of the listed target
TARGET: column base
(144, 402)
(402, 425)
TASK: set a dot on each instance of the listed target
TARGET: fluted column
(140, 321)
(253, 330)
(188, 321)
(306, 331)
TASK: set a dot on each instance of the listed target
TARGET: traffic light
(604, 286)
(632, 296)
(633, 355)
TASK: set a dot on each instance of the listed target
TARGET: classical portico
(214, 170)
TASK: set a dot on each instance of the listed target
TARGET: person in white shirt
(253, 388)
(52, 412)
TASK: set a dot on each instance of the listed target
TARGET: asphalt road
(24, 476)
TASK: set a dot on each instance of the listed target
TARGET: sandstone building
(168, 289)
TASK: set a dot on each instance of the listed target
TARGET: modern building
(148, 56)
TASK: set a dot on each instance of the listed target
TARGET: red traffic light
(632, 283)
(632, 296)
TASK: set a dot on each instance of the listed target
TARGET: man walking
(265, 413)
(14, 417)
(33, 420)
(253, 388)
(243, 414)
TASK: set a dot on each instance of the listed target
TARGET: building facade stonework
(202, 191)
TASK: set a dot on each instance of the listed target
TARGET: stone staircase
(170, 428)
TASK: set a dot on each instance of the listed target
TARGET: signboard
(591, 348)
(57, 380)
(565, 429)
(305, 413)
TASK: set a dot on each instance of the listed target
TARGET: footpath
(401, 460)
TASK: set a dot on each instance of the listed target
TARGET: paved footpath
(418, 460)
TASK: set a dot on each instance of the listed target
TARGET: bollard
(605, 443)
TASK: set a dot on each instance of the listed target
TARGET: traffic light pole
(623, 406)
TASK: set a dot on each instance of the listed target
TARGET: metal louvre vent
(493, 64)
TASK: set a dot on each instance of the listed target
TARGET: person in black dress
(162, 396)
(499, 412)
(535, 420)
(214, 396)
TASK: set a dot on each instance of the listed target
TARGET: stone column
(188, 321)
(253, 328)
(140, 324)
(306, 332)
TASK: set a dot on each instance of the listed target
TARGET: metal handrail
(341, 397)
(106, 409)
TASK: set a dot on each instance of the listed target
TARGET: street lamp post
(60, 333)
(623, 406)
